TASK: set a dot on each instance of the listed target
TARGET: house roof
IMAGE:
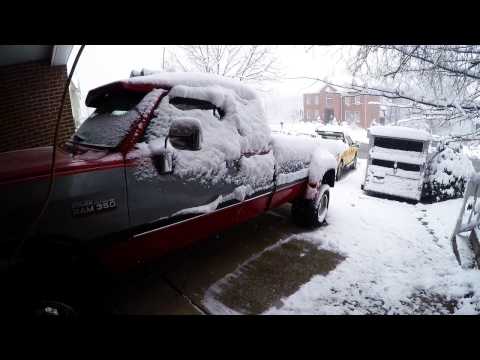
(329, 88)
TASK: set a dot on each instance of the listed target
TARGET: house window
(307, 113)
(352, 117)
(357, 100)
(317, 99)
(317, 114)
(347, 100)
(329, 101)
(307, 99)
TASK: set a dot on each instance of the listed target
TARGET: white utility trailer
(397, 159)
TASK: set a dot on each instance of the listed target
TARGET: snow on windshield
(106, 129)
(110, 123)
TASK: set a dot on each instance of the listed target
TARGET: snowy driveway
(375, 256)
(398, 259)
(394, 258)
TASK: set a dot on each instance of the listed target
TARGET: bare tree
(440, 82)
(249, 63)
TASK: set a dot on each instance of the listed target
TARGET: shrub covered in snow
(447, 173)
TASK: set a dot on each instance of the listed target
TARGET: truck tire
(312, 212)
(64, 277)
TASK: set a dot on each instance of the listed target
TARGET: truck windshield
(109, 123)
(330, 135)
(399, 144)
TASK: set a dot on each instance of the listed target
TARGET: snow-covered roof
(329, 89)
(400, 132)
(193, 79)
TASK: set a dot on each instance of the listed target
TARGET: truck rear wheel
(312, 212)
(64, 279)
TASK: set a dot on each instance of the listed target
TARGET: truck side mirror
(186, 134)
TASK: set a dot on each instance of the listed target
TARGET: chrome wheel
(54, 309)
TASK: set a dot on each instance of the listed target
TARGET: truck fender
(313, 188)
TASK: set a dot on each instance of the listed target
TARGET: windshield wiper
(78, 137)
(82, 141)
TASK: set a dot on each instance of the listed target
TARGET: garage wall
(30, 96)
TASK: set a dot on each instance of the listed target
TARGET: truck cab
(164, 160)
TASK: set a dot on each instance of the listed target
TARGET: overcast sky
(101, 64)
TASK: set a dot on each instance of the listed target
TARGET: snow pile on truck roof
(193, 79)
(400, 132)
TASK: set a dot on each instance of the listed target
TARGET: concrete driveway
(245, 270)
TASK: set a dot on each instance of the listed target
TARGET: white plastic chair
(465, 237)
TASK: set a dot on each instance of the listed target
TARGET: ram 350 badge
(89, 207)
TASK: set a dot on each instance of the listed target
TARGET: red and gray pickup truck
(163, 161)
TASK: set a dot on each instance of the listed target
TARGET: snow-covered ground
(398, 258)
(472, 150)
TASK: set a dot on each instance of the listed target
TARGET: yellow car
(346, 151)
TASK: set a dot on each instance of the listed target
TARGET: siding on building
(367, 112)
(30, 96)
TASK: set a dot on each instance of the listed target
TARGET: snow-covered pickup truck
(163, 160)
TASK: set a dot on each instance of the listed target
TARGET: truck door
(163, 178)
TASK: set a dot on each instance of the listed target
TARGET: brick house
(329, 104)
(32, 80)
